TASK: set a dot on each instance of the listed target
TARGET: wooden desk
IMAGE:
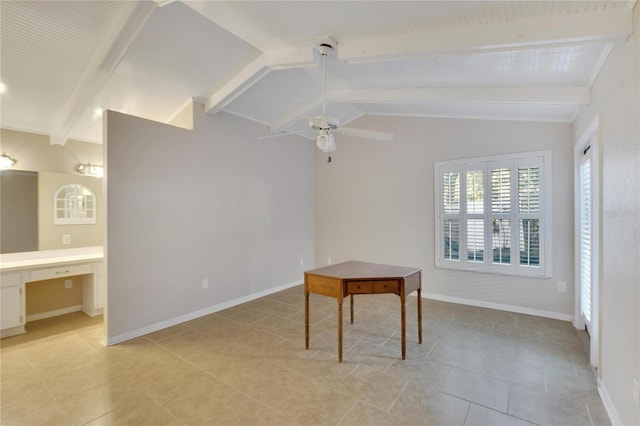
(349, 278)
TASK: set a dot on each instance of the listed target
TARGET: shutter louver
(451, 239)
(451, 192)
(529, 189)
(501, 190)
(585, 238)
(529, 209)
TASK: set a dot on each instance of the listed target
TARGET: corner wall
(210, 203)
(616, 98)
(375, 202)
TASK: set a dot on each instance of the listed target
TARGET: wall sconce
(6, 162)
(89, 169)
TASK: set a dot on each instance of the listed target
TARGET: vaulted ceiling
(61, 62)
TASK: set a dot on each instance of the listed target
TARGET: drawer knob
(62, 272)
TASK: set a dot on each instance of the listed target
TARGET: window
(494, 214)
(74, 204)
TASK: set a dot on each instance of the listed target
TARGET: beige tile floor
(247, 366)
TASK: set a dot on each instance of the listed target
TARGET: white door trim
(591, 137)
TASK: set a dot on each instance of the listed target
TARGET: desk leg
(351, 297)
(306, 320)
(340, 329)
(419, 315)
(403, 315)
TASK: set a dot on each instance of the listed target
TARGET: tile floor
(247, 366)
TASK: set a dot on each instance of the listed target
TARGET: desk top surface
(33, 259)
(363, 270)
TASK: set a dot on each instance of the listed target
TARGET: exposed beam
(297, 57)
(238, 84)
(512, 95)
(585, 28)
(255, 71)
(301, 110)
(104, 62)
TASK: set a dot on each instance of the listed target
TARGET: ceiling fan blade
(366, 134)
(281, 135)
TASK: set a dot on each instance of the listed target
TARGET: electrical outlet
(562, 286)
(636, 391)
(68, 283)
(66, 239)
(301, 262)
(205, 283)
(328, 260)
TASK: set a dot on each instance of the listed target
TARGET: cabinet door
(10, 304)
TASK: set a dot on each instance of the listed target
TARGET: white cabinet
(92, 290)
(16, 269)
(11, 304)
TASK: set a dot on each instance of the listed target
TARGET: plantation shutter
(585, 237)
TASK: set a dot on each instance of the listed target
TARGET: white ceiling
(514, 60)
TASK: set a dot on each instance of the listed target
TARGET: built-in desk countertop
(17, 269)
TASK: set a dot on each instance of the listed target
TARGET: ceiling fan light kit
(325, 141)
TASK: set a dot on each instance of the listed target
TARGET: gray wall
(375, 202)
(214, 203)
(616, 98)
(18, 211)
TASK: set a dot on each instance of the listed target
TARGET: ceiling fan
(327, 126)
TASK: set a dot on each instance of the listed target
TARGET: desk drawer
(386, 287)
(359, 287)
(59, 271)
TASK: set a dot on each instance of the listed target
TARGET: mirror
(28, 203)
(18, 211)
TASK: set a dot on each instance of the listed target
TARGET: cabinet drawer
(386, 287)
(358, 287)
(60, 271)
(10, 280)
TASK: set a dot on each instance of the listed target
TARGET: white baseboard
(55, 313)
(614, 417)
(193, 315)
(499, 306)
(93, 312)
(13, 331)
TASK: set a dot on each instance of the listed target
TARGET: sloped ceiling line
(256, 70)
(568, 30)
(508, 95)
(103, 64)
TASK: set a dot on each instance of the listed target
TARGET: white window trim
(545, 270)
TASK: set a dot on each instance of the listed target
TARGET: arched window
(74, 204)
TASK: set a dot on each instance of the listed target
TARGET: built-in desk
(17, 269)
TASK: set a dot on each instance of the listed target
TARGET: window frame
(514, 162)
(73, 214)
